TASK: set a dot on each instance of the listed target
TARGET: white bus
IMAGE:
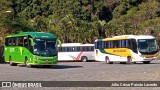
(126, 48)
(76, 52)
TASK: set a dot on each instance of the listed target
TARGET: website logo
(6, 84)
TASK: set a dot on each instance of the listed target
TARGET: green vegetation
(81, 20)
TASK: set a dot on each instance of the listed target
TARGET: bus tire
(11, 63)
(84, 59)
(26, 63)
(129, 60)
(146, 62)
(107, 61)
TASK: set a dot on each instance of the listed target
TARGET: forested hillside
(80, 20)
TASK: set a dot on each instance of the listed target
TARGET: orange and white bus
(76, 52)
(126, 48)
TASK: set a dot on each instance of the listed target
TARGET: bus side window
(20, 41)
(96, 47)
(115, 44)
(25, 43)
(74, 49)
(102, 45)
(87, 48)
(99, 44)
(106, 44)
(133, 44)
(14, 41)
(29, 43)
(71, 49)
(7, 42)
(92, 48)
(78, 49)
(68, 49)
(30, 47)
(59, 49)
(123, 44)
(127, 43)
(63, 49)
(110, 44)
(81, 48)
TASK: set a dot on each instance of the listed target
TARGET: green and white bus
(31, 48)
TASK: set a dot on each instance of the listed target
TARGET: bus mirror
(32, 43)
(59, 42)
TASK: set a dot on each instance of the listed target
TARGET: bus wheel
(107, 61)
(11, 63)
(129, 59)
(84, 59)
(146, 62)
(26, 63)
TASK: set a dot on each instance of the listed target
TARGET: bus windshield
(45, 47)
(147, 46)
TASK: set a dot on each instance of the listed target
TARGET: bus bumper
(42, 61)
(150, 59)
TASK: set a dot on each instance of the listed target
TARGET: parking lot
(83, 71)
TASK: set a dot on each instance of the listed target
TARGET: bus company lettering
(122, 50)
(15, 84)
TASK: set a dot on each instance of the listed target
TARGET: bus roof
(135, 36)
(76, 44)
(121, 37)
(34, 34)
